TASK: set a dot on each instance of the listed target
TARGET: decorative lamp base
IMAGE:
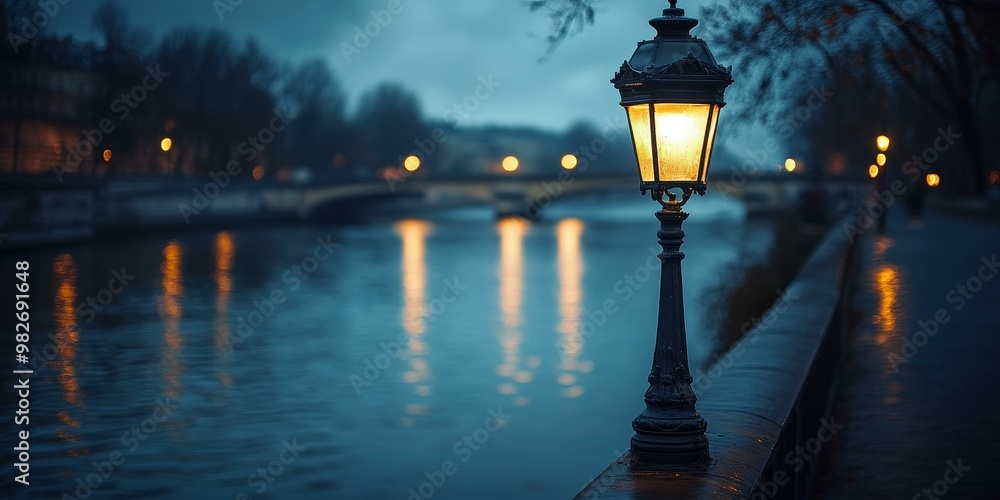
(666, 439)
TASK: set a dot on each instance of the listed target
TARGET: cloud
(438, 49)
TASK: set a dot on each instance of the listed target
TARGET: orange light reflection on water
(887, 288)
(510, 274)
(171, 312)
(887, 283)
(225, 249)
(67, 338)
(570, 267)
(413, 235)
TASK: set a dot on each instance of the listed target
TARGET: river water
(453, 354)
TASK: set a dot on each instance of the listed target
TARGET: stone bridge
(520, 195)
(515, 195)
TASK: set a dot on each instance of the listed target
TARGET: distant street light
(569, 162)
(790, 165)
(672, 91)
(933, 180)
(881, 176)
(258, 173)
(107, 156)
(166, 144)
(339, 161)
(882, 142)
(411, 163)
(510, 163)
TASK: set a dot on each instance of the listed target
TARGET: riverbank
(36, 212)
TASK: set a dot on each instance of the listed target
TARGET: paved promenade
(920, 398)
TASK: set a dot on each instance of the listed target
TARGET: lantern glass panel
(638, 117)
(711, 143)
(680, 138)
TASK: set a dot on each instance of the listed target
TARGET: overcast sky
(438, 49)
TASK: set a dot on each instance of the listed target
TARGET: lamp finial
(673, 23)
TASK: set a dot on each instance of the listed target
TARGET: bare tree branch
(566, 18)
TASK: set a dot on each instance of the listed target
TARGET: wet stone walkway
(920, 396)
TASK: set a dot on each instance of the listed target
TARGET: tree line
(218, 92)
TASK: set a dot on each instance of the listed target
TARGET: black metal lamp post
(672, 90)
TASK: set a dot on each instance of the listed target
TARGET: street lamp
(790, 165)
(411, 163)
(569, 161)
(672, 90)
(510, 164)
(882, 142)
(933, 180)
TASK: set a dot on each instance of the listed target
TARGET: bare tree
(120, 65)
(111, 22)
(316, 101)
(567, 18)
(219, 96)
(13, 52)
(944, 51)
(390, 121)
